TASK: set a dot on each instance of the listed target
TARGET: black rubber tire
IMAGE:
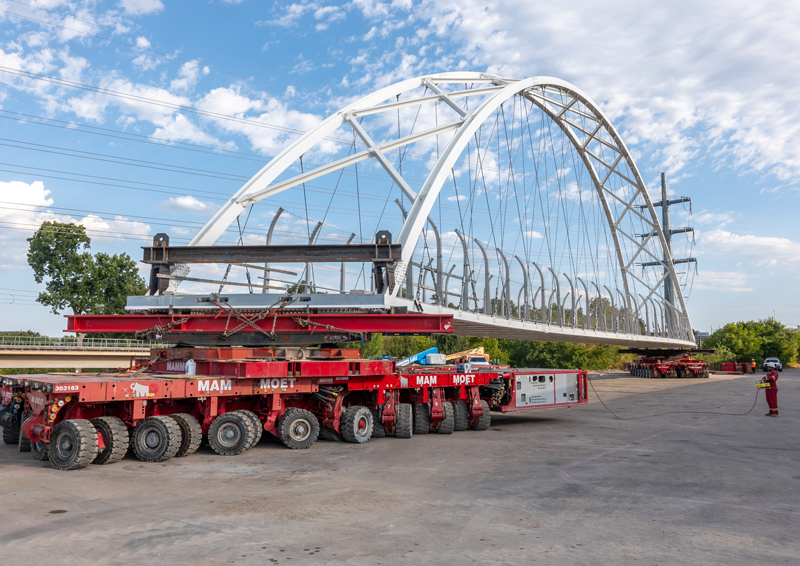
(11, 434)
(356, 424)
(115, 437)
(327, 434)
(24, 441)
(258, 426)
(73, 444)
(230, 433)
(191, 434)
(298, 429)
(485, 420)
(156, 439)
(422, 418)
(39, 450)
(378, 428)
(404, 420)
(461, 415)
(447, 426)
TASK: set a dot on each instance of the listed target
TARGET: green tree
(74, 278)
(756, 340)
(116, 278)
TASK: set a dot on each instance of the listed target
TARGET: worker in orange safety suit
(753, 365)
(772, 391)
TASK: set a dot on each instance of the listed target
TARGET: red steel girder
(285, 323)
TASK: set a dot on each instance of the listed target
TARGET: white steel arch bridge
(517, 204)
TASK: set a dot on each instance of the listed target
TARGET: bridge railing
(74, 343)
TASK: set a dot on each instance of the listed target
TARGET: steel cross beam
(373, 148)
(337, 253)
(443, 96)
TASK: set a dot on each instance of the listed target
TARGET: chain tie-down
(306, 322)
(251, 320)
(159, 330)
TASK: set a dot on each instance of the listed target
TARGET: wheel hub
(152, 439)
(300, 430)
(229, 435)
(65, 446)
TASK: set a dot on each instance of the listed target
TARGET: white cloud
(102, 230)
(23, 208)
(762, 251)
(180, 128)
(33, 194)
(145, 62)
(720, 85)
(372, 9)
(141, 7)
(48, 4)
(291, 14)
(280, 122)
(92, 106)
(188, 204)
(188, 75)
(77, 26)
(716, 219)
(730, 281)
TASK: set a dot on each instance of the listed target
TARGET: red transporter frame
(686, 366)
(339, 396)
(277, 323)
(164, 404)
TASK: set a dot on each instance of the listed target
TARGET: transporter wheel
(422, 418)
(39, 450)
(258, 426)
(230, 433)
(447, 426)
(156, 439)
(24, 441)
(11, 434)
(461, 415)
(404, 420)
(298, 429)
(327, 434)
(378, 428)
(73, 444)
(356, 424)
(191, 434)
(485, 420)
(115, 437)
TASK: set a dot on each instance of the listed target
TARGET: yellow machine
(763, 384)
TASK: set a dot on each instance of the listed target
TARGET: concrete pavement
(564, 486)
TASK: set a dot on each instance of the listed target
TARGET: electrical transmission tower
(665, 203)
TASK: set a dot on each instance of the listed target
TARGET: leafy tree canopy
(74, 278)
(757, 340)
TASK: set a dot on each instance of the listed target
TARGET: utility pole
(666, 226)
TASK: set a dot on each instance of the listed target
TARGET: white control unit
(546, 389)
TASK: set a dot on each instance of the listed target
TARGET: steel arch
(499, 90)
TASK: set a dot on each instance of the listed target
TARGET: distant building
(699, 337)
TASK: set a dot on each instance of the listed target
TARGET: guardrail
(73, 343)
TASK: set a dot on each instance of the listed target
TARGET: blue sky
(703, 90)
